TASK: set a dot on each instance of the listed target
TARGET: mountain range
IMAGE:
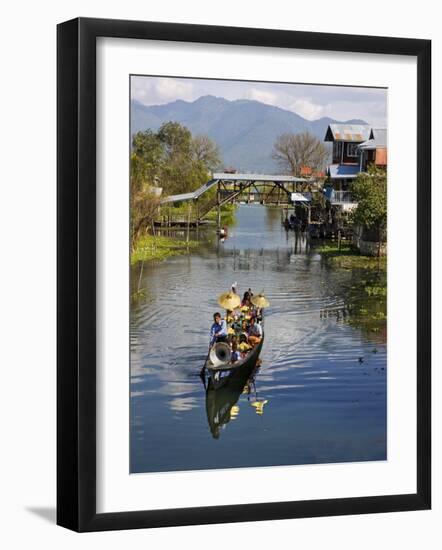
(245, 130)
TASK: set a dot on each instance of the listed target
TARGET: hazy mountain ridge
(245, 130)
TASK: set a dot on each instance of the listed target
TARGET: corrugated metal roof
(343, 171)
(191, 195)
(299, 197)
(366, 145)
(224, 176)
(347, 132)
(380, 135)
(378, 139)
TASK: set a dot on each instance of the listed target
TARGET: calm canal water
(319, 395)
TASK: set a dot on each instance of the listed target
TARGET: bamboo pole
(218, 200)
(188, 221)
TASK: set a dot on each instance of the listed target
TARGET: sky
(309, 101)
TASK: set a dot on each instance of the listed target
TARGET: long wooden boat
(219, 376)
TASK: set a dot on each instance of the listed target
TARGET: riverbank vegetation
(365, 295)
(166, 162)
(149, 247)
(369, 219)
(348, 257)
(370, 192)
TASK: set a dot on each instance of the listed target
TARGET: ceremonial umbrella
(259, 300)
(229, 300)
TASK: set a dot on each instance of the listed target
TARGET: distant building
(355, 147)
(307, 171)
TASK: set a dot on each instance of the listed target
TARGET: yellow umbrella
(259, 300)
(229, 300)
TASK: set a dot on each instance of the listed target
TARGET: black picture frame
(76, 273)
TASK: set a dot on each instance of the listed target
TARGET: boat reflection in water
(221, 403)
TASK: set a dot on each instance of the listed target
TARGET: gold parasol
(229, 300)
(259, 300)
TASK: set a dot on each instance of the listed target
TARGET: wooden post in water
(197, 213)
(139, 278)
(188, 221)
(218, 201)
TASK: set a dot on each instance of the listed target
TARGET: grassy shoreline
(149, 248)
(350, 258)
(365, 293)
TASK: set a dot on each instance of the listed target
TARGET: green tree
(370, 192)
(171, 159)
(187, 160)
(146, 158)
(206, 152)
(176, 138)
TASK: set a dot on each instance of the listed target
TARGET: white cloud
(303, 106)
(306, 108)
(155, 91)
(263, 96)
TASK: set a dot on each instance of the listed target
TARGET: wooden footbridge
(264, 188)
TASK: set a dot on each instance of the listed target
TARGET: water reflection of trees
(273, 217)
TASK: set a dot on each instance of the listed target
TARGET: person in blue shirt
(218, 331)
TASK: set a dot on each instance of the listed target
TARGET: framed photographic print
(243, 274)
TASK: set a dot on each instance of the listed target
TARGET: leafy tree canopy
(370, 192)
(172, 159)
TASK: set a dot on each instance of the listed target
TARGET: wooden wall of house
(350, 159)
(381, 157)
(345, 159)
(337, 152)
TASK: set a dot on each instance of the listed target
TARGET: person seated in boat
(251, 312)
(244, 346)
(246, 299)
(257, 314)
(230, 318)
(245, 306)
(218, 331)
(235, 355)
(254, 332)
